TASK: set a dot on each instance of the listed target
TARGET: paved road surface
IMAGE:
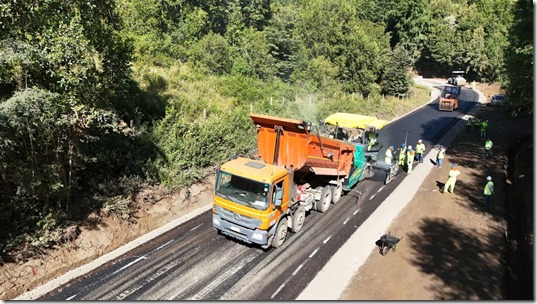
(192, 261)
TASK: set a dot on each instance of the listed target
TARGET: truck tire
(336, 192)
(388, 179)
(324, 202)
(280, 234)
(298, 219)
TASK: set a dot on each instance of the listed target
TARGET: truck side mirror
(279, 196)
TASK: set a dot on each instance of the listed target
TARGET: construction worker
(488, 148)
(389, 155)
(440, 156)
(477, 124)
(420, 150)
(469, 124)
(402, 154)
(371, 138)
(488, 191)
(452, 179)
(484, 126)
(409, 159)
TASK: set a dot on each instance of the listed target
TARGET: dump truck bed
(296, 147)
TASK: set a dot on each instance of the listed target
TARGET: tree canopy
(99, 97)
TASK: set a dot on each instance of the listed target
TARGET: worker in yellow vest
(488, 148)
(452, 179)
(488, 191)
(409, 159)
(420, 150)
(402, 155)
(484, 126)
(389, 155)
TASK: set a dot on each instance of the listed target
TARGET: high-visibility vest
(420, 148)
(410, 157)
(468, 122)
(488, 145)
(440, 154)
(402, 153)
(453, 173)
(489, 187)
(389, 154)
(484, 126)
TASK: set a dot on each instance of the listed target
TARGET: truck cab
(250, 197)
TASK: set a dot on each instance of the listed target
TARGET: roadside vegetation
(101, 99)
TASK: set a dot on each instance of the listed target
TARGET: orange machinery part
(301, 149)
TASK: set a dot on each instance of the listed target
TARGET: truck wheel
(281, 234)
(324, 202)
(336, 192)
(298, 219)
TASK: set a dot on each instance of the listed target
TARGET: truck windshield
(242, 190)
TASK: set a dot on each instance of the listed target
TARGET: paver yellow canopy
(353, 121)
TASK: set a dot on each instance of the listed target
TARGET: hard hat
(453, 165)
(403, 145)
(420, 141)
(392, 147)
(410, 147)
(489, 178)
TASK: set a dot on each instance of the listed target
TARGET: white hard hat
(410, 147)
(420, 141)
(489, 178)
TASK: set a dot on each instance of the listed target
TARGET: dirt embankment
(100, 236)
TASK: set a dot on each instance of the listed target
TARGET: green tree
(212, 53)
(251, 55)
(408, 23)
(46, 146)
(285, 45)
(395, 79)
(519, 59)
(355, 47)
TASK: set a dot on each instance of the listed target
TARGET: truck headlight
(216, 221)
(257, 236)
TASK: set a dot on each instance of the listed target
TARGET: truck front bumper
(241, 233)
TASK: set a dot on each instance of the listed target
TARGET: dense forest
(99, 98)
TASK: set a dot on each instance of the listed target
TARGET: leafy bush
(189, 147)
(212, 53)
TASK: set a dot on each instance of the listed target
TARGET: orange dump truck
(257, 201)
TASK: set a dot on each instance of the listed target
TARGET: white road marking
(298, 269)
(221, 278)
(372, 196)
(71, 297)
(164, 245)
(277, 291)
(381, 189)
(314, 252)
(130, 264)
(327, 239)
(196, 227)
(354, 213)
(345, 222)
